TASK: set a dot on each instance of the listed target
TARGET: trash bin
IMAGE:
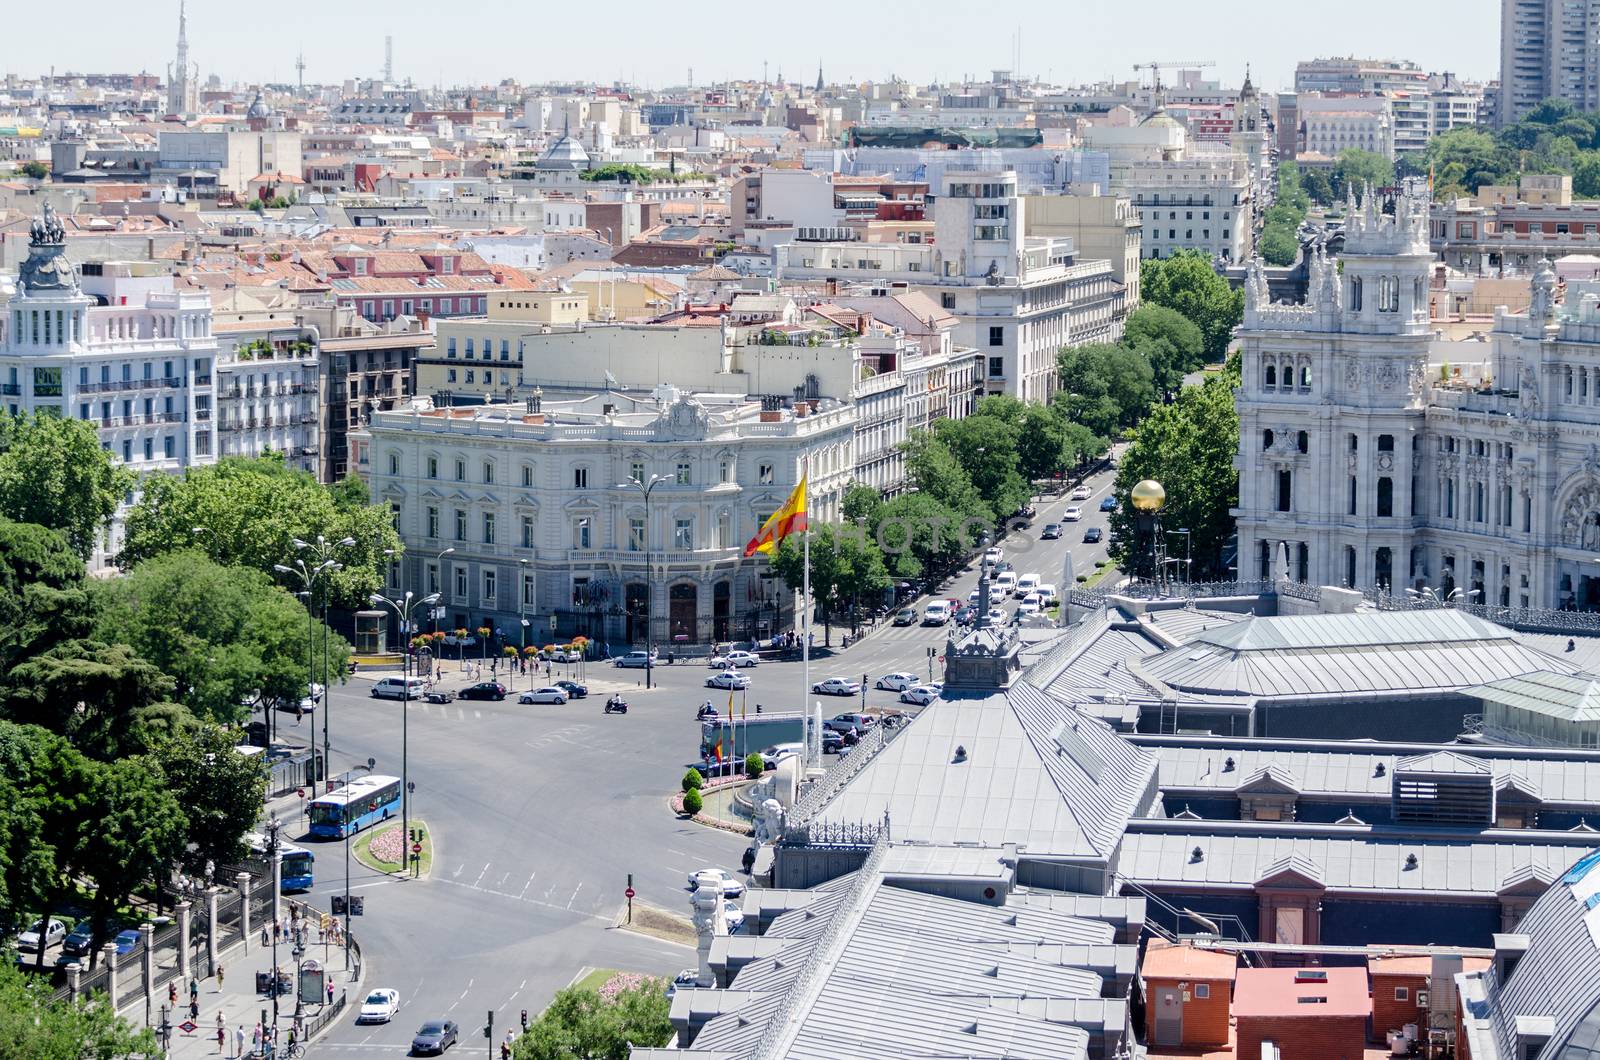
(262, 979)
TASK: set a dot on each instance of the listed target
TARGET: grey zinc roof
(1570, 697)
(1443, 763)
(1556, 976)
(1364, 629)
(1358, 863)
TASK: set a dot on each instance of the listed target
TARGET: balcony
(202, 380)
(11, 389)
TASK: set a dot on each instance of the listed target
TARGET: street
(539, 813)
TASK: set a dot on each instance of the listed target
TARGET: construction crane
(1155, 65)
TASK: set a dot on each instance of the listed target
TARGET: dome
(1148, 496)
(1160, 119)
(565, 153)
(258, 108)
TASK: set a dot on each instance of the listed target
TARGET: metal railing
(328, 1014)
(1526, 619)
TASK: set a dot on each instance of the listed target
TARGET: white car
(896, 681)
(734, 915)
(54, 932)
(992, 554)
(568, 656)
(921, 695)
(728, 679)
(997, 616)
(837, 686)
(1073, 514)
(1082, 493)
(544, 695)
(1034, 599)
(1005, 582)
(380, 1006)
(972, 597)
(778, 752)
(734, 659)
(730, 884)
(1029, 606)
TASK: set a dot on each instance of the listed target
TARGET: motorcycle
(706, 711)
(616, 705)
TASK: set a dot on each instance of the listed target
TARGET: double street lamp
(322, 564)
(645, 489)
(403, 609)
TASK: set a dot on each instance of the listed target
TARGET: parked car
(81, 937)
(1026, 584)
(1091, 536)
(1081, 493)
(634, 660)
(771, 756)
(838, 686)
(565, 655)
(832, 742)
(992, 554)
(126, 941)
(380, 1006)
(1109, 503)
(965, 614)
(906, 616)
(728, 679)
(1030, 606)
(552, 694)
(435, 1037)
(687, 978)
(727, 881)
(1047, 594)
(997, 616)
(399, 688)
(1073, 514)
(733, 916)
(921, 695)
(972, 597)
(439, 695)
(1050, 532)
(734, 660)
(491, 690)
(573, 689)
(846, 722)
(896, 681)
(51, 933)
(1004, 582)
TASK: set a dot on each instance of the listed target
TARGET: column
(108, 952)
(242, 880)
(185, 912)
(277, 881)
(74, 970)
(211, 928)
(146, 931)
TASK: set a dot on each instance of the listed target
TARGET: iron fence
(326, 1016)
(834, 834)
(1526, 619)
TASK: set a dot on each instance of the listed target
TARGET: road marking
(525, 887)
(477, 715)
(460, 714)
(530, 901)
(503, 879)
(373, 883)
(481, 873)
(575, 891)
(458, 869)
(463, 996)
(522, 986)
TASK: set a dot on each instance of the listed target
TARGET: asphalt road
(539, 813)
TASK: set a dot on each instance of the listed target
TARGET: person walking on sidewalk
(172, 993)
(222, 1034)
(330, 991)
(219, 977)
(194, 990)
(238, 1042)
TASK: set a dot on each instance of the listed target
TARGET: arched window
(1355, 293)
(1270, 375)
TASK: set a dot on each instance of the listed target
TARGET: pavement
(542, 815)
(234, 997)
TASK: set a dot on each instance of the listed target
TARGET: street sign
(300, 792)
(188, 1026)
(552, 622)
(416, 848)
(338, 905)
(358, 905)
(628, 893)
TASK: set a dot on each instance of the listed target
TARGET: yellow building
(476, 357)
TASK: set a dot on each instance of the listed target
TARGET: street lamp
(344, 782)
(309, 576)
(522, 618)
(1188, 568)
(645, 489)
(403, 609)
(438, 562)
(272, 855)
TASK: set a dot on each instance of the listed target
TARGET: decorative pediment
(580, 503)
(1294, 873)
(526, 500)
(1514, 789)
(1531, 880)
(1272, 780)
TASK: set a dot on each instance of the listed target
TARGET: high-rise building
(1548, 48)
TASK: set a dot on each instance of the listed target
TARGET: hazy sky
(655, 43)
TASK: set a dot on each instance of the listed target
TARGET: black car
(484, 690)
(434, 1038)
(831, 741)
(1091, 536)
(573, 689)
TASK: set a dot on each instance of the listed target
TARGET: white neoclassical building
(536, 502)
(1377, 455)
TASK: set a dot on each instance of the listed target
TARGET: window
(527, 531)
(581, 537)
(433, 578)
(997, 335)
(527, 476)
(1202, 991)
(1285, 490)
(681, 476)
(461, 525)
(1355, 294)
(488, 472)
(947, 301)
(168, 444)
(580, 478)
(1302, 442)
(1385, 496)
(527, 590)
(997, 368)
(724, 470)
(394, 463)
(636, 472)
(1402, 993)
(1266, 438)
(127, 451)
(488, 588)
(1350, 502)
(488, 528)
(1385, 443)
(433, 521)
(764, 474)
(461, 583)
(433, 467)
(683, 534)
(450, 347)
(1270, 376)
(461, 471)
(472, 375)
(724, 529)
(149, 448)
(635, 533)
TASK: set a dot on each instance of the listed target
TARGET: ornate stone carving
(1528, 386)
(1385, 461)
(1580, 519)
(1352, 373)
(1389, 374)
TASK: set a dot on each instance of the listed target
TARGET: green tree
(34, 170)
(43, 597)
(844, 568)
(1187, 283)
(861, 504)
(249, 513)
(1278, 245)
(102, 697)
(227, 635)
(36, 1026)
(933, 468)
(692, 780)
(1107, 388)
(1043, 445)
(920, 536)
(754, 764)
(1355, 169)
(1189, 447)
(1169, 341)
(581, 1025)
(692, 801)
(1317, 185)
(220, 790)
(54, 472)
(986, 447)
(134, 832)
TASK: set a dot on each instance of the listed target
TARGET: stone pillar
(146, 932)
(243, 881)
(109, 953)
(709, 922)
(74, 970)
(185, 912)
(277, 887)
(211, 929)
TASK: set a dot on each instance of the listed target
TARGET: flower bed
(621, 983)
(389, 846)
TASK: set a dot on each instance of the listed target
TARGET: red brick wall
(1205, 1020)
(1303, 1038)
(1389, 1014)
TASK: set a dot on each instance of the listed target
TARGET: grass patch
(362, 848)
(1099, 576)
(595, 979)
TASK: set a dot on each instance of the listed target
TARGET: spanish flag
(790, 519)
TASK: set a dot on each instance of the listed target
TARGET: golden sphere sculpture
(1148, 496)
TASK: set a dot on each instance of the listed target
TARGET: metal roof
(1556, 976)
(1570, 697)
(1365, 629)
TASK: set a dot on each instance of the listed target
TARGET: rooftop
(1292, 992)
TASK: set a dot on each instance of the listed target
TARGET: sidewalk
(242, 1007)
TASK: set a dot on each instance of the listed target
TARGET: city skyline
(343, 45)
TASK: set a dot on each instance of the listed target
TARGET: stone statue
(1528, 386)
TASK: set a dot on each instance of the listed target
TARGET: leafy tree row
(1187, 284)
(1554, 137)
(1280, 240)
(34, 1025)
(580, 1024)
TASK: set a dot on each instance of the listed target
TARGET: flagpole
(805, 593)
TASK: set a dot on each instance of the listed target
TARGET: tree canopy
(53, 472)
(845, 568)
(35, 1026)
(582, 1025)
(1188, 284)
(1105, 387)
(249, 512)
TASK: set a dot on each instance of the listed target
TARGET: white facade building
(528, 496)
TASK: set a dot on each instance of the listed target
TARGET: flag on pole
(790, 519)
(716, 748)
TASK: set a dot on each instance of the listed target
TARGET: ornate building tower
(183, 95)
(1331, 409)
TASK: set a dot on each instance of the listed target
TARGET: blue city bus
(297, 863)
(362, 802)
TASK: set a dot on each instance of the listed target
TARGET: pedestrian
(172, 987)
(255, 1039)
(222, 1033)
(238, 1041)
(194, 990)
(330, 991)
(219, 980)
(194, 1009)
(321, 933)
(264, 940)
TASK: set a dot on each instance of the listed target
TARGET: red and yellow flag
(790, 519)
